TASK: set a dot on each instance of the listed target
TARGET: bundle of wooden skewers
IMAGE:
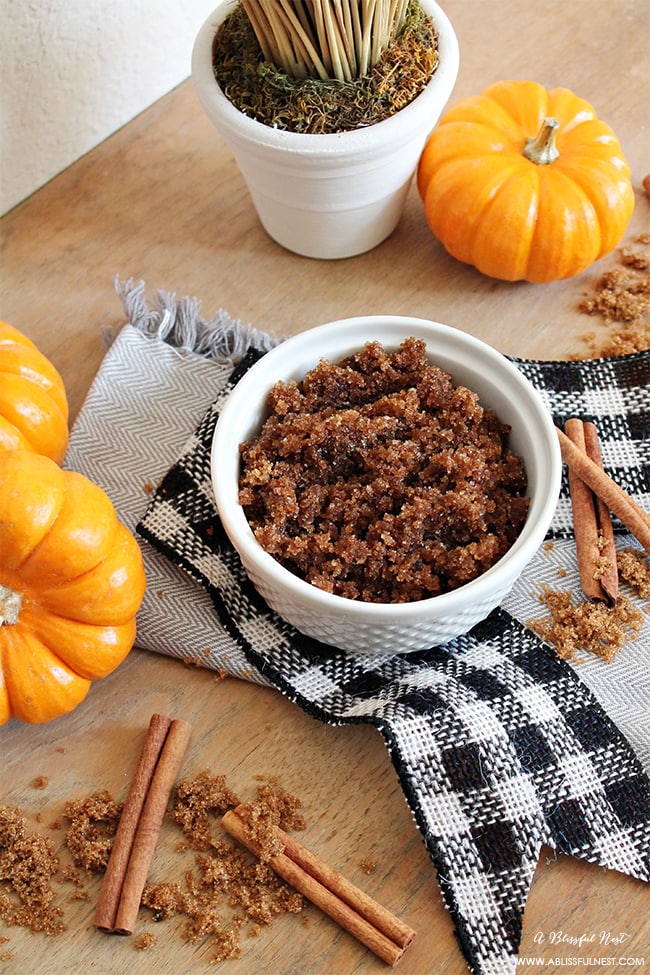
(323, 39)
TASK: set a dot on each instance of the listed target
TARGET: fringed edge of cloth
(178, 322)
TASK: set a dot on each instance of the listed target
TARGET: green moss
(263, 92)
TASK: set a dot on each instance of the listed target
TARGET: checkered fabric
(615, 394)
(499, 746)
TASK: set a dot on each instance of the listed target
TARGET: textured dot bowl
(388, 627)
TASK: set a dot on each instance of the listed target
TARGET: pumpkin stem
(10, 605)
(541, 149)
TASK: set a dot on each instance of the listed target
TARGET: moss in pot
(328, 160)
(333, 92)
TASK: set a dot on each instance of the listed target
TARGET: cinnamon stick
(386, 922)
(148, 829)
(111, 889)
(594, 536)
(370, 923)
(617, 500)
(608, 568)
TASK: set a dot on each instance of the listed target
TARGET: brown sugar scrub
(377, 479)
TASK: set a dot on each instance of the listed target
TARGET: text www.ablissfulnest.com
(584, 963)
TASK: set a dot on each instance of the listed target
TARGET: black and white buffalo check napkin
(500, 747)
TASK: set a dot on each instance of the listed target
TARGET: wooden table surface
(162, 201)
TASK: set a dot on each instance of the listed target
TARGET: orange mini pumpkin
(33, 402)
(525, 183)
(71, 582)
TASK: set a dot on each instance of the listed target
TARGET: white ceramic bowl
(386, 627)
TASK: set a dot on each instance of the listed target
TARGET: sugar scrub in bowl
(384, 494)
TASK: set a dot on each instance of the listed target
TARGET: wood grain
(163, 201)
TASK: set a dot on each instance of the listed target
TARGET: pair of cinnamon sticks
(367, 920)
(593, 496)
(140, 823)
(139, 827)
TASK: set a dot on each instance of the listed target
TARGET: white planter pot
(333, 195)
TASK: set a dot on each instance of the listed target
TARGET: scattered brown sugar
(226, 896)
(40, 782)
(71, 874)
(634, 569)
(638, 260)
(377, 479)
(621, 297)
(586, 626)
(228, 877)
(93, 825)
(368, 866)
(603, 564)
(227, 891)
(192, 662)
(79, 895)
(634, 339)
(165, 900)
(28, 863)
(5, 955)
(273, 807)
(195, 799)
(145, 941)
(226, 946)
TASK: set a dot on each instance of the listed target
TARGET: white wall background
(74, 71)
